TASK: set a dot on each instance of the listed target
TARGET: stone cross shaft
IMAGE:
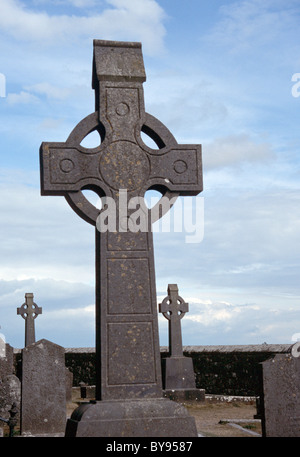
(29, 311)
(127, 342)
(174, 308)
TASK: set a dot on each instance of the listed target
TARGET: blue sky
(219, 73)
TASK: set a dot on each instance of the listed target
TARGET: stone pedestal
(183, 395)
(6, 359)
(157, 417)
(179, 380)
(178, 373)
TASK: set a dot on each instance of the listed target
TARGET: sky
(223, 74)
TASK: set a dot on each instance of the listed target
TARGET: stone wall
(231, 370)
(220, 370)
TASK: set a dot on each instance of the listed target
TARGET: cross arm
(179, 169)
(66, 168)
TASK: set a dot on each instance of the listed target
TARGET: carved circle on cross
(25, 312)
(129, 164)
(152, 127)
(167, 304)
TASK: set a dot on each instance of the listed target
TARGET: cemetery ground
(225, 419)
(212, 417)
(220, 418)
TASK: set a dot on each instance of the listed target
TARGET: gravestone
(280, 400)
(10, 393)
(178, 371)
(2, 346)
(69, 385)
(43, 389)
(6, 360)
(29, 311)
(10, 388)
(129, 399)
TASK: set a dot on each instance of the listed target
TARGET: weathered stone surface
(127, 343)
(280, 402)
(134, 418)
(6, 361)
(183, 395)
(10, 392)
(43, 407)
(178, 373)
(69, 384)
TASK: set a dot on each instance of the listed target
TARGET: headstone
(6, 361)
(178, 371)
(2, 346)
(10, 388)
(10, 393)
(128, 370)
(280, 402)
(69, 384)
(43, 400)
(29, 311)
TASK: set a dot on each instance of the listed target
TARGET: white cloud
(139, 20)
(72, 313)
(247, 323)
(23, 97)
(50, 124)
(235, 149)
(80, 3)
(51, 91)
(212, 313)
(42, 231)
(244, 25)
(215, 322)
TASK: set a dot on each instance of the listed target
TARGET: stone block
(43, 406)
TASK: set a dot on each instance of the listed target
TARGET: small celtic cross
(29, 311)
(173, 308)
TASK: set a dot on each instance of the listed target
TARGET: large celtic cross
(127, 342)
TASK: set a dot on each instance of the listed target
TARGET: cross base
(178, 373)
(185, 394)
(155, 417)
